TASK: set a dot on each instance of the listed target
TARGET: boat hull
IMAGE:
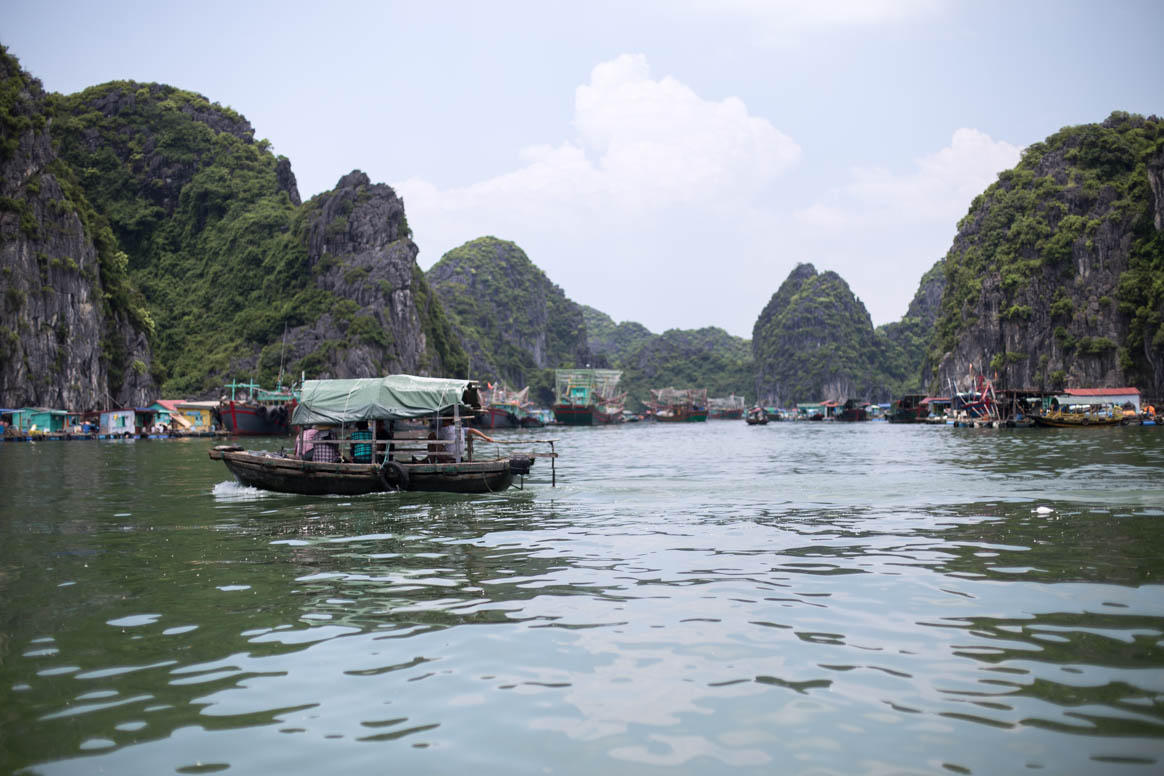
(726, 415)
(683, 416)
(311, 478)
(584, 415)
(496, 417)
(907, 416)
(1068, 421)
(242, 419)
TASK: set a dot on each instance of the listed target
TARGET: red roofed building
(1116, 396)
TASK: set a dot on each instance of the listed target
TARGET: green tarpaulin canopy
(395, 397)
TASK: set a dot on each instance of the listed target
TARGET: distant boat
(1093, 417)
(726, 407)
(679, 405)
(757, 417)
(588, 397)
(911, 408)
(853, 411)
(503, 408)
(252, 411)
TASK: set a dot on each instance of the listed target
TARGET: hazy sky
(665, 162)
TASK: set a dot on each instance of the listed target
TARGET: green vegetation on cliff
(902, 345)
(813, 341)
(29, 164)
(228, 258)
(214, 243)
(1045, 251)
(516, 325)
(613, 341)
(688, 358)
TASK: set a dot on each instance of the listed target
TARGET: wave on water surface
(233, 490)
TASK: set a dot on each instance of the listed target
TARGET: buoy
(1043, 510)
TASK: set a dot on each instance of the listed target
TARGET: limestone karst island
(413, 449)
(158, 258)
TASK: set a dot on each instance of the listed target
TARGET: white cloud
(658, 208)
(939, 188)
(657, 139)
(642, 145)
(652, 162)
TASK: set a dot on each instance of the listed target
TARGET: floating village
(586, 397)
(403, 432)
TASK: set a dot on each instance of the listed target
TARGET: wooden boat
(853, 411)
(497, 416)
(911, 408)
(256, 412)
(1067, 419)
(726, 408)
(679, 405)
(401, 452)
(503, 408)
(681, 415)
(588, 397)
(283, 474)
(757, 417)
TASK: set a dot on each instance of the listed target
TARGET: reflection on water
(789, 598)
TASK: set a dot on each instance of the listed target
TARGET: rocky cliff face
(513, 321)
(1053, 279)
(383, 318)
(901, 345)
(66, 336)
(814, 341)
(611, 342)
(242, 278)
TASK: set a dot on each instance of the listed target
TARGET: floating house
(127, 422)
(199, 414)
(186, 416)
(37, 419)
(1100, 397)
(824, 410)
(165, 410)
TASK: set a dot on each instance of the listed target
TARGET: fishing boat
(911, 408)
(726, 407)
(853, 411)
(679, 405)
(977, 404)
(504, 408)
(252, 411)
(397, 456)
(756, 417)
(1082, 416)
(588, 397)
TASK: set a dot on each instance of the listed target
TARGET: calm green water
(715, 598)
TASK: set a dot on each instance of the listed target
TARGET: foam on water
(233, 490)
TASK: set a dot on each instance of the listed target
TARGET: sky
(665, 161)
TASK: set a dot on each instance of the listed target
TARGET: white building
(1100, 396)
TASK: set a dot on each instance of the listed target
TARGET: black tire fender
(1086, 421)
(393, 475)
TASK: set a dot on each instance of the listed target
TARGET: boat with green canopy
(393, 433)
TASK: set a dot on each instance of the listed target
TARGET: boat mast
(282, 350)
